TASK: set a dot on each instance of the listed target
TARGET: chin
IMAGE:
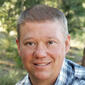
(42, 75)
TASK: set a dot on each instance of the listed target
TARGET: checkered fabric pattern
(70, 74)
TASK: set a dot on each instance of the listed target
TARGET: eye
(51, 42)
(30, 43)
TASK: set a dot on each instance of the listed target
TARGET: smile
(42, 64)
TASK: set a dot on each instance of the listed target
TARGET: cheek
(26, 58)
(58, 52)
(26, 55)
(57, 55)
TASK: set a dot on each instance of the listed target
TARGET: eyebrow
(52, 38)
(48, 37)
(28, 38)
(45, 37)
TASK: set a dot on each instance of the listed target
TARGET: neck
(42, 83)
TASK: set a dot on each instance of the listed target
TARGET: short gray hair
(40, 13)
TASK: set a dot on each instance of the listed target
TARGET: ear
(67, 44)
(18, 45)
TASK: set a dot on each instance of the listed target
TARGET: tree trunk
(83, 60)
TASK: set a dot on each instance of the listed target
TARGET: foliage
(6, 80)
(19, 63)
(73, 9)
(10, 11)
(75, 13)
(11, 77)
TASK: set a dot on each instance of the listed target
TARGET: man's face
(42, 48)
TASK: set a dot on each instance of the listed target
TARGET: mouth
(42, 64)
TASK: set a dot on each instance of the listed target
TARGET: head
(43, 41)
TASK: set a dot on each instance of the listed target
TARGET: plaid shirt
(70, 74)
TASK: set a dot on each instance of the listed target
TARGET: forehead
(42, 24)
(41, 29)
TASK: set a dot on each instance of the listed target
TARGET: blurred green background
(11, 68)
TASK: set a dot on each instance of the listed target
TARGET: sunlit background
(11, 68)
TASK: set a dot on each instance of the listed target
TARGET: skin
(42, 48)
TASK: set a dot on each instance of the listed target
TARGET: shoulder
(78, 72)
(24, 81)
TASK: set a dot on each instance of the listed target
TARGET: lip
(42, 65)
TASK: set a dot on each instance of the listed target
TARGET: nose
(40, 52)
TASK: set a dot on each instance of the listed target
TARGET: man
(43, 42)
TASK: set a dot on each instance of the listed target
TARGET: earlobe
(67, 44)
